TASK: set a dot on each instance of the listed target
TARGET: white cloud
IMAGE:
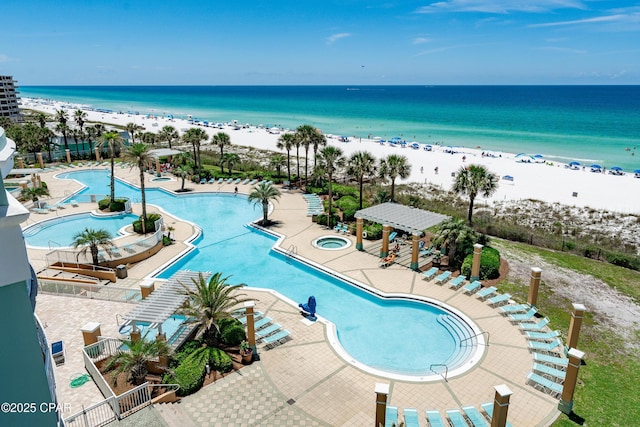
(5, 58)
(500, 6)
(562, 49)
(596, 20)
(335, 37)
(420, 40)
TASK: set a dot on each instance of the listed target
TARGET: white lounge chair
(276, 339)
(475, 416)
(430, 273)
(542, 336)
(456, 282)
(498, 299)
(535, 326)
(483, 293)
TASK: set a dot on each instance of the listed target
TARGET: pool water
(161, 178)
(397, 336)
(331, 242)
(59, 231)
(172, 327)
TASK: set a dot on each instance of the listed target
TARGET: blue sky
(269, 42)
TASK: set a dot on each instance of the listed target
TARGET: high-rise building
(9, 99)
(26, 365)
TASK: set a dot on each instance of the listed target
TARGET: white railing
(95, 415)
(86, 290)
(134, 400)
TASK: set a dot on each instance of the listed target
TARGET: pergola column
(158, 168)
(359, 226)
(20, 162)
(251, 330)
(97, 150)
(501, 405)
(384, 251)
(414, 251)
(475, 265)
(382, 392)
(90, 333)
(68, 153)
(570, 380)
(574, 327)
(534, 284)
(40, 160)
(146, 289)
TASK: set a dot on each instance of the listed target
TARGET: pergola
(405, 218)
(163, 152)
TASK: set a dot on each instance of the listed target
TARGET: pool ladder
(475, 336)
(446, 370)
(293, 250)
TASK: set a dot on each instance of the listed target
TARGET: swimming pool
(400, 338)
(331, 243)
(59, 231)
(172, 328)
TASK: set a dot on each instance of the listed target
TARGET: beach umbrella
(524, 158)
(574, 164)
(595, 166)
(616, 168)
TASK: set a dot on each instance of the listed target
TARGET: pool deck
(326, 389)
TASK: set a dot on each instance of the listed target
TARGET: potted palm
(246, 352)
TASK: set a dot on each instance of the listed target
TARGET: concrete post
(24, 185)
(574, 326)
(146, 289)
(162, 360)
(501, 405)
(135, 335)
(384, 251)
(40, 160)
(38, 180)
(534, 284)
(570, 380)
(414, 251)
(158, 168)
(68, 155)
(382, 392)
(359, 226)
(475, 265)
(97, 150)
(90, 333)
(251, 331)
(20, 162)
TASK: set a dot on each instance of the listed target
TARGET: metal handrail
(475, 336)
(176, 386)
(446, 370)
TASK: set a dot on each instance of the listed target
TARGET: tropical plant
(230, 159)
(91, 240)
(307, 135)
(263, 193)
(183, 171)
(221, 140)
(62, 118)
(149, 138)
(209, 302)
(195, 136)
(361, 164)
(133, 358)
(91, 133)
(113, 141)
(78, 135)
(34, 193)
(473, 180)
(132, 128)
(138, 153)
(457, 237)
(168, 134)
(392, 167)
(41, 118)
(286, 142)
(329, 160)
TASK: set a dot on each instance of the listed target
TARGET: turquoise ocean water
(585, 123)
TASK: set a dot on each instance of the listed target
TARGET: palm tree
(457, 237)
(305, 135)
(286, 142)
(183, 171)
(361, 164)
(91, 240)
(62, 127)
(195, 136)
(330, 159)
(230, 159)
(77, 134)
(297, 142)
(319, 140)
(392, 167)
(135, 359)
(263, 193)
(132, 128)
(34, 193)
(113, 141)
(168, 134)
(149, 138)
(138, 153)
(91, 133)
(221, 140)
(209, 302)
(277, 161)
(473, 180)
(41, 118)
(80, 118)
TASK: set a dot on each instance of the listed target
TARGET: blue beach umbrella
(616, 168)
(595, 166)
(574, 164)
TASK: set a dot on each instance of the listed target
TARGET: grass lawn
(608, 391)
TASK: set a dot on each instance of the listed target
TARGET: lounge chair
(513, 308)
(498, 299)
(392, 236)
(257, 315)
(426, 252)
(475, 416)
(553, 360)
(211, 180)
(547, 347)
(276, 339)
(541, 383)
(115, 252)
(456, 282)
(265, 332)
(338, 227)
(411, 418)
(430, 273)
(472, 287)
(229, 180)
(443, 277)
(253, 182)
(246, 181)
(488, 408)
(391, 416)
(535, 326)
(523, 317)
(542, 336)
(261, 323)
(549, 371)
(58, 352)
(129, 249)
(345, 228)
(456, 418)
(237, 180)
(40, 210)
(387, 261)
(484, 293)
(435, 419)
(73, 203)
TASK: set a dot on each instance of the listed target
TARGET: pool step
(463, 335)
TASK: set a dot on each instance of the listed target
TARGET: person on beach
(464, 158)
(235, 191)
(421, 169)
(436, 170)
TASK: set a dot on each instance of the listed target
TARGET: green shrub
(117, 205)
(322, 219)
(149, 224)
(489, 264)
(233, 333)
(104, 203)
(340, 191)
(374, 231)
(622, 260)
(349, 206)
(219, 360)
(190, 373)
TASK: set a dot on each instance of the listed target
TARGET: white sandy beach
(540, 181)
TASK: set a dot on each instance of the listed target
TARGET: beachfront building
(25, 360)
(9, 99)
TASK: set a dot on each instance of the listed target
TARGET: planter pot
(247, 358)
